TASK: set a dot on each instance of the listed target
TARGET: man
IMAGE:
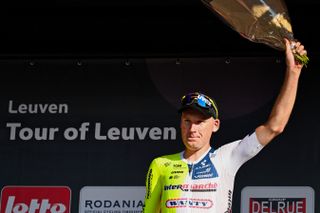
(201, 179)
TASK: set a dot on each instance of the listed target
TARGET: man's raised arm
(283, 106)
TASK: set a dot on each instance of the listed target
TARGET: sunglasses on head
(201, 100)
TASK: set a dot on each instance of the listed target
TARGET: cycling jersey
(175, 186)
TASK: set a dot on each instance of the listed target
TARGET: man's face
(196, 129)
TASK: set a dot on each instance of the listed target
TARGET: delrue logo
(277, 205)
(277, 199)
(35, 199)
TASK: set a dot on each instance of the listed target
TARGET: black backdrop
(140, 28)
(144, 93)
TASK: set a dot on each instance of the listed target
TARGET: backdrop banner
(100, 122)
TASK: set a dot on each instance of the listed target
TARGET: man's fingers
(288, 45)
(300, 48)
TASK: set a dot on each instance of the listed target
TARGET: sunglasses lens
(195, 98)
(201, 101)
(185, 100)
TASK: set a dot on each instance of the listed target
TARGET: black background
(134, 28)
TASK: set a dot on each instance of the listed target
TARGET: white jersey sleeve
(236, 153)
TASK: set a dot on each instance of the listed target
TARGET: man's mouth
(192, 138)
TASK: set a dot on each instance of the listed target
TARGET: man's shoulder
(170, 157)
(248, 141)
(167, 159)
(228, 145)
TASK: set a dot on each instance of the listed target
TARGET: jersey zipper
(189, 197)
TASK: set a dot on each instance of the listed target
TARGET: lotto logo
(25, 199)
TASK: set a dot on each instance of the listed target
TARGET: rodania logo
(35, 199)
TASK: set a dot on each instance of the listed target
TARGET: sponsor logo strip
(285, 205)
(37, 199)
(189, 203)
(208, 187)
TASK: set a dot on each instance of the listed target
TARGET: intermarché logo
(35, 199)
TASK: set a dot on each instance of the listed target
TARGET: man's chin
(192, 145)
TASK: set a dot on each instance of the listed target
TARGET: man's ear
(216, 125)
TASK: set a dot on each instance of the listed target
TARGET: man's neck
(195, 155)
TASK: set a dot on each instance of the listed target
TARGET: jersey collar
(210, 149)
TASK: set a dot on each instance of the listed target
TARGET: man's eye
(187, 121)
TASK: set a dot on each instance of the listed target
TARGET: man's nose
(193, 127)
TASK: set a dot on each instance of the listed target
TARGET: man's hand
(291, 49)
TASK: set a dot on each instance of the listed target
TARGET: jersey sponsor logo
(204, 169)
(35, 199)
(277, 205)
(177, 165)
(149, 181)
(189, 203)
(229, 210)
(173, 187)
(174, 177)
(177, 172)
(208, 187)
(166, 164)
